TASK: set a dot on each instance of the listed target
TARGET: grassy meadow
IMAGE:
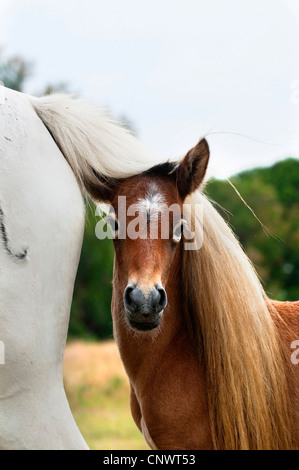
(98, 392)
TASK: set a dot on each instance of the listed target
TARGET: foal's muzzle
(144, 312)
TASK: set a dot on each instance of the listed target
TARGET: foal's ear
(101, 189)
(192, 169)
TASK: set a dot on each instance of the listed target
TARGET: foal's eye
(113, 222)
(178, 231)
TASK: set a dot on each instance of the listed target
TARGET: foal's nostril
(162, 300)
(128, 297)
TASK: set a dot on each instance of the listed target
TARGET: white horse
(41, 230)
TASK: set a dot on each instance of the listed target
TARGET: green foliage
(91, 308)
(51, 88)
(273, 194)
(14, 71)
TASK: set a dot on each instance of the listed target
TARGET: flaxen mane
(237, 340)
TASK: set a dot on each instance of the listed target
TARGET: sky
(178, 69)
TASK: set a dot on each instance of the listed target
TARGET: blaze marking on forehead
(152, 204)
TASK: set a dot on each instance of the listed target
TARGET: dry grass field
(98, 392)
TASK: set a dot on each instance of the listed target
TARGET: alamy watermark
(145, 220)
(295, 354)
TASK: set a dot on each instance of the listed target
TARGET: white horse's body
(43, 216)
(41, 231)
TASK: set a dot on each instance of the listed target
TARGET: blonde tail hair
(92, 142)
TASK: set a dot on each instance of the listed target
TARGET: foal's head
(147, 220)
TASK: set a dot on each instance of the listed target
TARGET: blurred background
(171, 71)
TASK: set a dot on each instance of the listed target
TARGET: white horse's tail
(97, 148)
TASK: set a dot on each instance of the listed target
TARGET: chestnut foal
(208, 355)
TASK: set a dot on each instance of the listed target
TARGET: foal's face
(145, 245)
(145, 256)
